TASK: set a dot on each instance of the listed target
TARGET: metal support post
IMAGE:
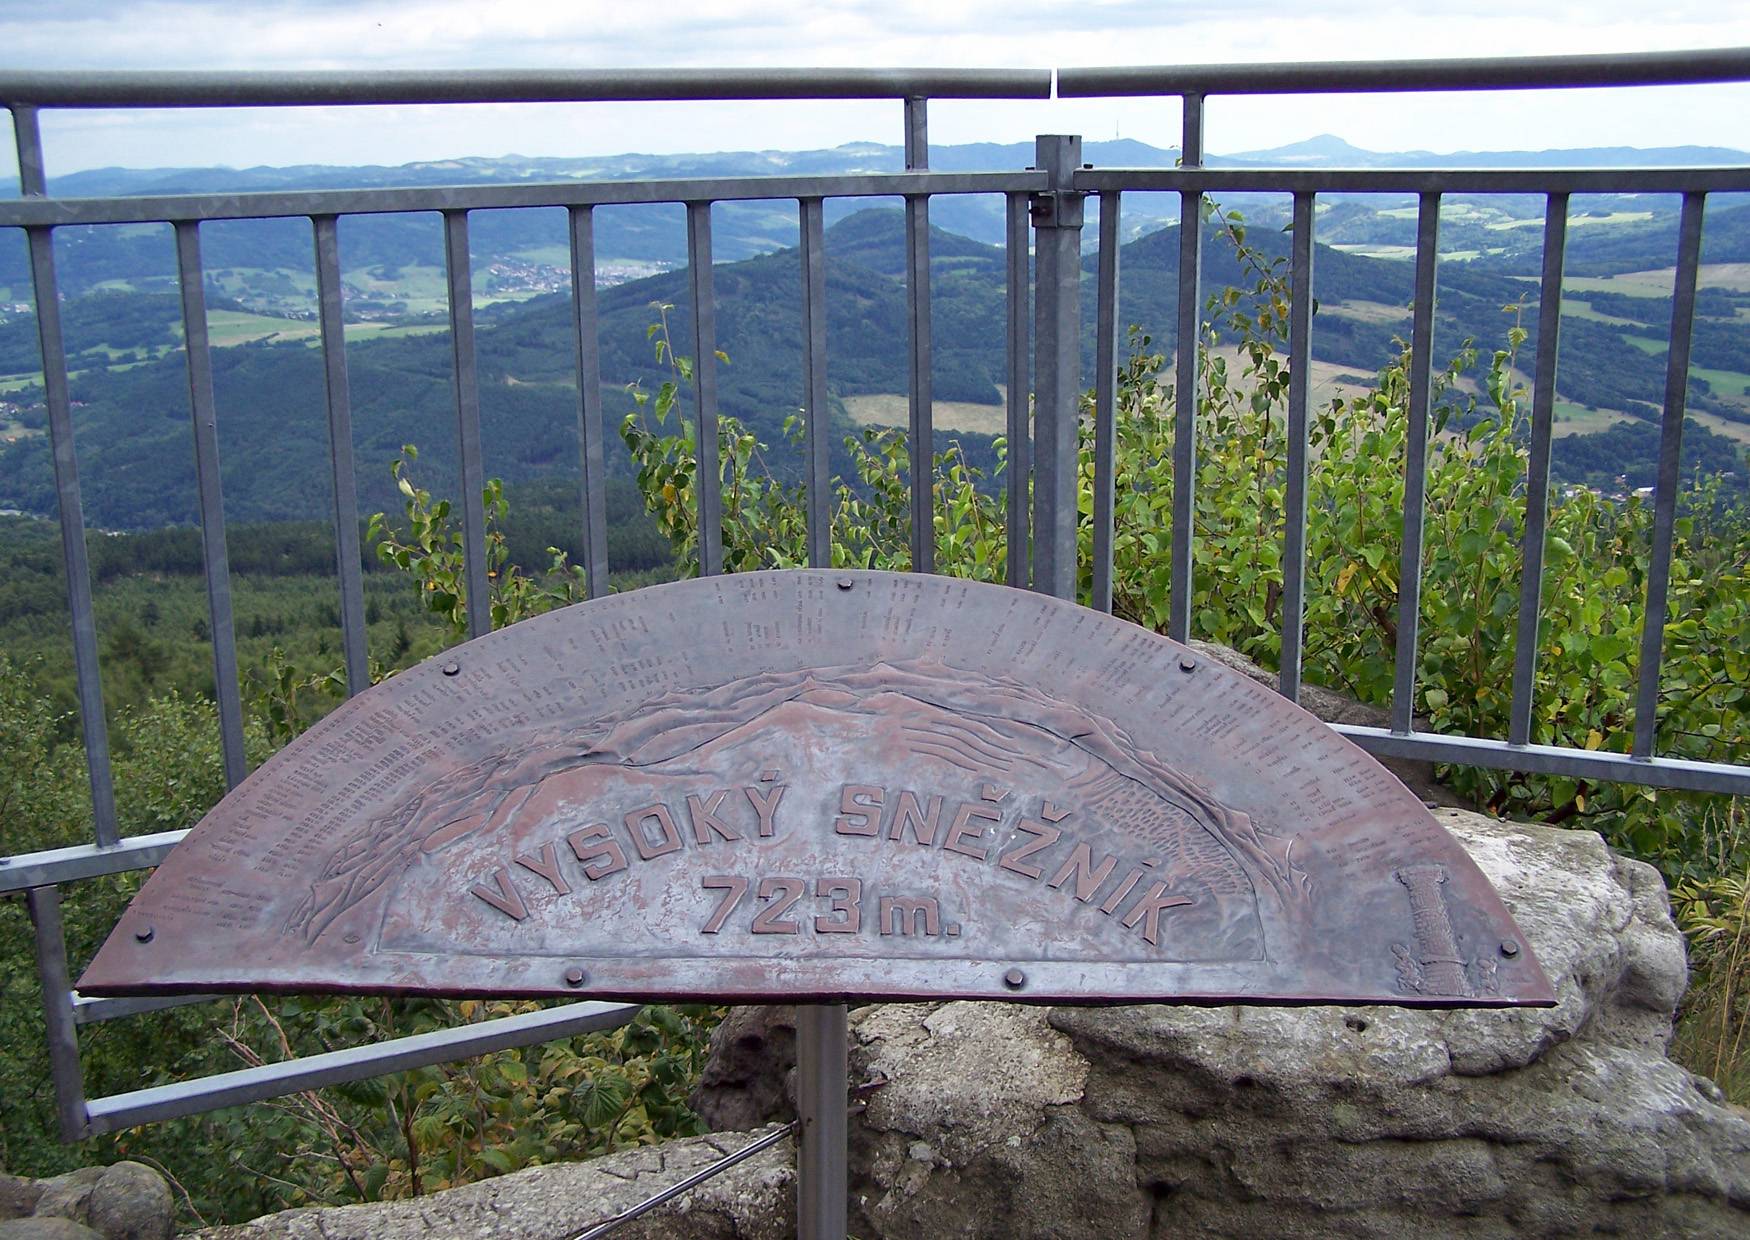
(922, 423)
(63, 1031)
(822, 1179)
(1057, 263)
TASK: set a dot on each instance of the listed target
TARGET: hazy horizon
(374, 35)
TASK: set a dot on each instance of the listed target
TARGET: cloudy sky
(375, 34)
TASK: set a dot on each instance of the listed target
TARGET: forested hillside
(137, 464)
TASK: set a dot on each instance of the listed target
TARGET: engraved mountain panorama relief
(805, 784)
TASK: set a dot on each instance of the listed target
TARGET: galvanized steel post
(63, 1031)
(922, 420)
(822, 1145)
(1057, 264)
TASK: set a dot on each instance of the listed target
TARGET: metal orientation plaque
(815, 786)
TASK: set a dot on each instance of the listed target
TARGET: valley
(123, 332)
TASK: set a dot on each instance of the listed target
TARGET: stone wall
(1005, 1120)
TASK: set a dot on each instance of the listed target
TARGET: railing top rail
(1716, 179)
(57, 212)
(313, 87)
(1492, 73)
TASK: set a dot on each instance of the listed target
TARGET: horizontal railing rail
(1677, 180)
(1702, 67)
(1043, 241)
(331, 88)
(189, 208)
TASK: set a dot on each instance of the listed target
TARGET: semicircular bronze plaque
(809, 785)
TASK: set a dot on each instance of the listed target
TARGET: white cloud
(346, 34)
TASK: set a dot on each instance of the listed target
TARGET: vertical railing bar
(1543, 404)
(1191, 130)
(1105, 397)
(1416, 464)
(589, 402)
(27, 138)
(212, 506)
(331, 309)
(920, 390)
(812, 224)
(1670, 470)
(44, 904)
(1020, 432)
(822, 1152)
(705, 388)
(93, 724)
(465, 375)
(1300, 314)
(917, 133)
(1057, 364)
(1185, 394)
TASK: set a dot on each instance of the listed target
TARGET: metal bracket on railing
(1057, 208)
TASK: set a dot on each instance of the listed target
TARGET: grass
(1723, 426)
(548, 255)
(891, 409)
(1572, 419)
(1657, 283)
(392, 331)
(1629, 283)
(423, 290)
(233, 327)
(1724, 382)
(1370, 250)
(1713, 1023)
(1368, 311)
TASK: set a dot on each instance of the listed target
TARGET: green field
(231, 327)
(1573, 309)
(1737, 431)
(1629, 283)
(1723, 382)
(1572, 419)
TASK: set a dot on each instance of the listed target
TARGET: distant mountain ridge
(1322, 151)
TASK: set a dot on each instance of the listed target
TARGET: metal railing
(1044, 220)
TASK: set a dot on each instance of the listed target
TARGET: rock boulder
(1000, 1120)
(753, 1200)
(123, 1201)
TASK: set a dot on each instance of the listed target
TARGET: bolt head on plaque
(773, 786)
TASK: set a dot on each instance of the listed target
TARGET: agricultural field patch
(1736, 431)
(1573, 419)
(894, 409)
(232, 327)
(1657, 282)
